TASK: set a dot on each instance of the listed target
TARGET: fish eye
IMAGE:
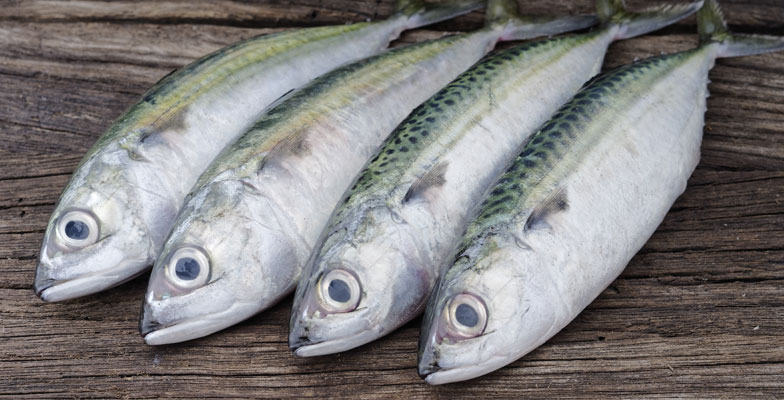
(188, 267)
(77, 229)
(339, 291)
(465, 316)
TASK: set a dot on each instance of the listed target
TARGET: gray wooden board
(699, 312)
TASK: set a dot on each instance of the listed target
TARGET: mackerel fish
(579, 201)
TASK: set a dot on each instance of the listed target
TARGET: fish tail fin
(636, 23)
(713, 29)
(419, 14)
(504, 14)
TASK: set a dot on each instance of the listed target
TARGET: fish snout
(426, 369)
(146, 322)
(427, 362)
(44, 274)
(298, 337)
(42, 282)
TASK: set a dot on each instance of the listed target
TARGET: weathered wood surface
(699, 312)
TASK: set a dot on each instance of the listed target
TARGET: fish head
(487, 312)
(224, 261)
(363, 283)
(98, 235)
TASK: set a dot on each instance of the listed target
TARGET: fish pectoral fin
(554, 203)
(292, 145)
(173, 120)
(434, 177)
(281, 99)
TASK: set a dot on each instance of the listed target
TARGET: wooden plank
(699, 312)
(309, 12)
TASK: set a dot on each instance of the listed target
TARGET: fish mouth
(433, 374)
(155, 333)
(303, 347)
(53, 290)
(430, 369)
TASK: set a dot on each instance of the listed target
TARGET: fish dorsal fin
(554, 203)
(434, 177)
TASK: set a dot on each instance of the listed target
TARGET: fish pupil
(77, 230)
(466, 315)
(339, 291)
(187, 268)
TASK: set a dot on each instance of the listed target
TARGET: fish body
(395, 229)
(578, 202)
(120, 203)
(258, 209)
(407, 206)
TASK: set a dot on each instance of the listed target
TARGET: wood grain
(699, 312)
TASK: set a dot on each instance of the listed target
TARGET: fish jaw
(304, 348)
(156, 335)
(193, 315)
(171, 317)
(52, 290)
(438, 376)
